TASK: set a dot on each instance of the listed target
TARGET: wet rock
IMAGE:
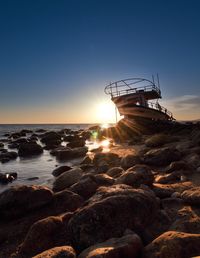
(85, 187)
(58, 252)
(193, 160)
(60, 170)
(130, 161)
(174, 244)
(75, 144)
(7, 177)
(67, 179)
(67, 201)
(110, 158)
(129, 246)
(121, 210)
(43, 234)
(7, 156)
(29, 149)
(103, 179)
(137, 175)
(192, 196)
(115, 172)
(162, 191)
(67, 153)
(50, 138)
(87, 160)
(19, 200)
(161, 157)
(40, 130)
(178, 165)
(102, 167)
(1, 145)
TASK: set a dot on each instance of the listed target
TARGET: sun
(106, 112)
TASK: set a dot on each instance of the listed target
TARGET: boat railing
(160, 108)
(124, 87)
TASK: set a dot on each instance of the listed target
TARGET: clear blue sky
(56, 56)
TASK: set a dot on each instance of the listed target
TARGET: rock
(110, 158)
(40, 130)
(162, 191)
(158, 140)
(115, 172)
(87, 160)
(43, 234)
(191, 196)
(67, 153)
(161, 157)
(33, 178)
(7, 177)
(129, 246)
(169, 178)
(67, 201)
(174, 244)
(102, 167)
(137, 175)
(19, 200)
(123, 209)
(1, 145)
(67, 179)
(29, 149)
(130, 161)
(58, 252)
(103, 179)
(193, 160)
(75, 144)
(60, 170)
(178, 165)
(85, 187)
(50, 137)
(7, 156)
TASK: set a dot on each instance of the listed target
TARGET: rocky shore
(140, 199)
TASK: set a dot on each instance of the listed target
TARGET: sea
(36, 170)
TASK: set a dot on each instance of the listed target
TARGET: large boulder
(43, 234)
(137, 175)
(123, 209)
(19, 200)
(67, 179)
(130, 160)
(8, 155)
(29, 149)
(50, 137)
(161, 157)
(115, 172)
(174, 244)
(129, 246)
(58, 252)
(76, 144)
(68, 153)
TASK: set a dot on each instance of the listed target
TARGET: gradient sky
(56, 56)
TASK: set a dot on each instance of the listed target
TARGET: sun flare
(106, 112)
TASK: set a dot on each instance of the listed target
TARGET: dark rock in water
(50, 138)
(129, 246)
(3, 150)
(71, 138)
(110, 158)
(26, 131)
(56, 252)
(13, 145)
(43, 234)
(174, 244)
(136, 176)
(9, 155)
(17, 135)
(76, 144)
(124, 209)
(58, 171)
(40, 130)
(33, 178)
(115, 172)
(86, 160)
(29, 149)
(6, 135)
(19, 200)
(161, 157)
(67, 179)
(7, 177)
(1, 145)
(130, 161)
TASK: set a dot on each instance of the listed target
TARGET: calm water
(39, 166)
